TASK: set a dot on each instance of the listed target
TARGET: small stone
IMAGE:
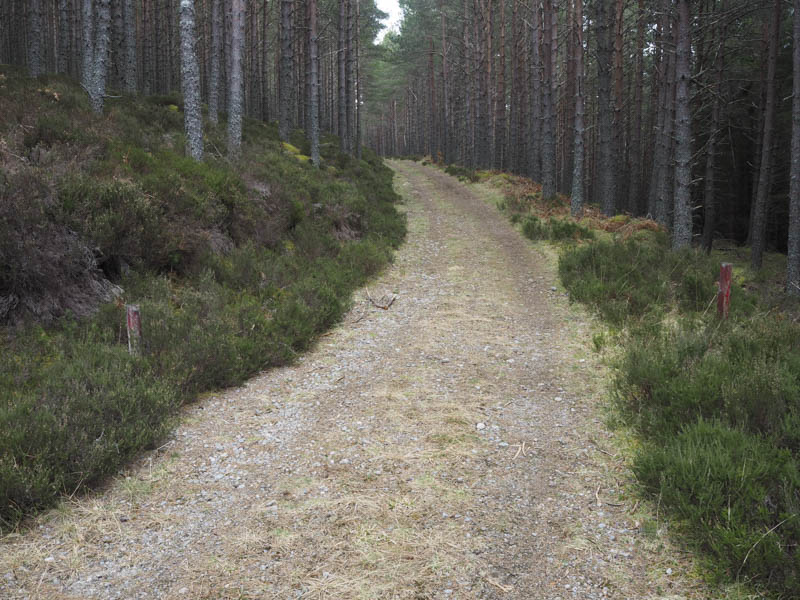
(480, 426)
(669, 571)
(554, 289)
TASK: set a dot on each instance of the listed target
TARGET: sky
(395, 15)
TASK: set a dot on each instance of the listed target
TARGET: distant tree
(759, 220)
(216, 51)
(286, 70)
(35, 42)
(682, 226)
(793, 265)
(100, 59)
(606, 186)
(313, 76)
(129, 73)
(87, 48)
(548, 106)
(235, 85)
(577, 168)
(190, 72)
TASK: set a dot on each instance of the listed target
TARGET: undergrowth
(715, 403)
(235, 268)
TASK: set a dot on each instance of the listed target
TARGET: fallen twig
(503, 588)
(381, 306)
(520, 450)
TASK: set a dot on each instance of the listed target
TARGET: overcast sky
(392, 8)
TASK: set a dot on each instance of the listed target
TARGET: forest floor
(449, 446)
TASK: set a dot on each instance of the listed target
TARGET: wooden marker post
(134, 329)
(724, 294)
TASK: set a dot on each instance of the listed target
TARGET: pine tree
(190, 72)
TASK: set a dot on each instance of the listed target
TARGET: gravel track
(447, 447)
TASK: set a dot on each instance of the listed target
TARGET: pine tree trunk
(577, 165)
(235, 87)
(548, 121)
(793, 260)
(709, 183)
(87, 52)
(758, 233)
(621, 173)
(359, 93)
(535, 136)
(216, 50)
(313, 82)
(287, 65)
(129, 34)
(99, 68)
(445, 97)
(35, 39)
(342, 76)
(605, 195)
(500, 102)
(190, 74)
(682, 224)
(635, 187)
(64, 33)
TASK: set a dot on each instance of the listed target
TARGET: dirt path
(448, 447)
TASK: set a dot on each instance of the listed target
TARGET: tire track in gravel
(389, 461)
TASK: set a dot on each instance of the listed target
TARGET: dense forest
(681, 111)
(295, 62)
(677, 110)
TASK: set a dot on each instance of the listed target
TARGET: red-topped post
(724, 294)
(134, 328)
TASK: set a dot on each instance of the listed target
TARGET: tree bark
(793, 261)
(709, 183)
(682, 224)
(190, 76)
(64, 33)
(286, 66)
(576, 205)
(35, 39)
(342, 76)
(605, 194)
(313, 76)
(445, 97)
(500, 102)
(548, 122)
(235, 93)
(535, 135)
(758, 232)
(99, 69)
(87, 51)
(635, 187)
(129, 34)
(216, 51)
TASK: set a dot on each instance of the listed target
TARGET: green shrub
(745, 375)
(50, 129)
(534, 229)
(79, 414)
(566, 229)
(738, 497)
(463, 173)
